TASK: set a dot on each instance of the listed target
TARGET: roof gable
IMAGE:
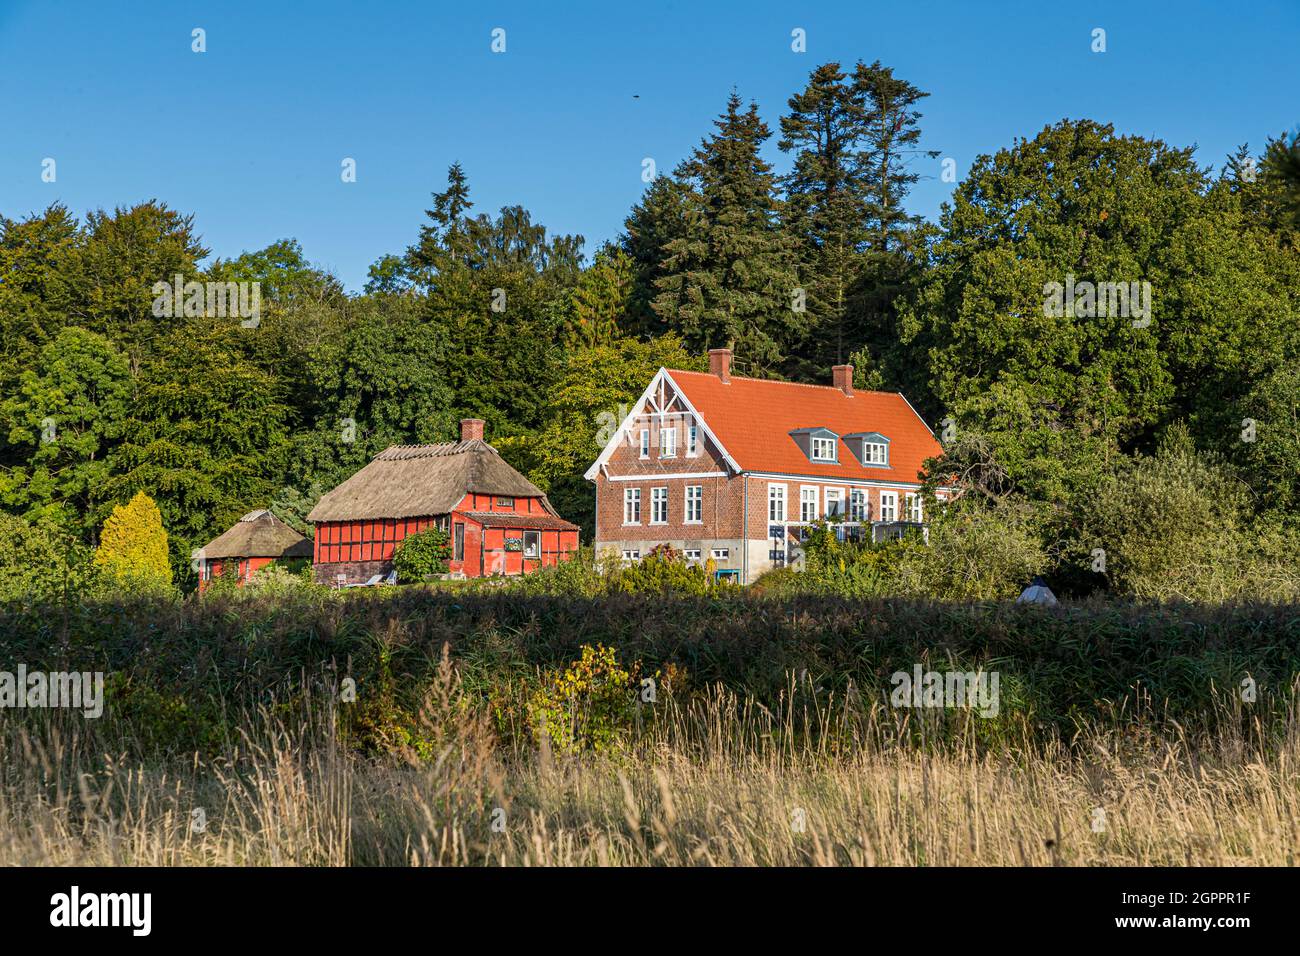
(755, 418)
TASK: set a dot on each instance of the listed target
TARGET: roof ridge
(777, 381)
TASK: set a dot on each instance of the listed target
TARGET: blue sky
(249, 136)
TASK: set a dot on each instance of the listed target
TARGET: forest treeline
(1175, 439)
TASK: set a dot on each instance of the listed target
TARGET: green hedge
(1057, 664)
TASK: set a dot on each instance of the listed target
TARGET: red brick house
(732, 468)
(257, 539)
(498, 521)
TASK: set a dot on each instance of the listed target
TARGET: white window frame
(694, 496)
(913, 506)
(631, 554)
(777, 502)
(889, 506)
(720, 554)
(667, 441)
(808, 495)
(859, 504)
(823, 441)
(691, 554)
(536, 553)
(875, 453)
(658, 501)
(645, 443)
(692, 441)
(631, 505)
(837, 495)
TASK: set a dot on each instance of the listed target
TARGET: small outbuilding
(256, 540)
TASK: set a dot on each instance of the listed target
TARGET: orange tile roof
(753, 418)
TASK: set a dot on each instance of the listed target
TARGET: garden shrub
(132, 555)
(422, 555)
(590, 705)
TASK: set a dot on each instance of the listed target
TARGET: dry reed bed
(715, 782)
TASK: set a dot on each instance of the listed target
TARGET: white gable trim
(653, 396)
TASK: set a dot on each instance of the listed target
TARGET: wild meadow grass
(706, 778)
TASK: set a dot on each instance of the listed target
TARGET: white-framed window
(667, 442)
(877, 453)
(808, 503)
(645, 443)
(857, 504)
(631, 554)
(694, 504)
(889, 506)
(834, 502)
(691, 554)
(631, 505)
(692, 440)
(532, 544)
(659, 505)
(824, 449)
(720, 554)
(776, 502)
(913, 503)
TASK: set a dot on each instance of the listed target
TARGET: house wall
(734, 513)
(245, 567)
(358, 550)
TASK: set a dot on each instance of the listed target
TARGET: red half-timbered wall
(360, 549)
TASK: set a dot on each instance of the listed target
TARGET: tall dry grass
(713, 781)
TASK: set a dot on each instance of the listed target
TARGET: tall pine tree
(826, 202)
(731, 279)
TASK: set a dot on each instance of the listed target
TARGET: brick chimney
(842, 378)
(471, 429)
(720, 363)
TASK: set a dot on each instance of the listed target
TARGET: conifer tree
(826, 200)
(132, 552)
(731, 279)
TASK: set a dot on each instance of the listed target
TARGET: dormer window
(871, 448)
(819, 444)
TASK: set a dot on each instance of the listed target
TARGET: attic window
(823, 449)
(872, 448)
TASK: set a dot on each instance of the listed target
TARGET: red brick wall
(723, 510)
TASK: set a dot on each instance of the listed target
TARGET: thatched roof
(411, 481)
(259, 534)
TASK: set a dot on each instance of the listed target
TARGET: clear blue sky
(249, 136)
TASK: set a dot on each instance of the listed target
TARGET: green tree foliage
(1281, 167)
(132, 554)
(206, 434)
(600, 300)
(61, 425)
(1173, 525)
(827, 201)
(41, 565)
(731, 279)
(1058, 394)
(421, 556)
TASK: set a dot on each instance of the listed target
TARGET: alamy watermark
(947, 689)
(78, 690)
(213, 300)
(1090, 300)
